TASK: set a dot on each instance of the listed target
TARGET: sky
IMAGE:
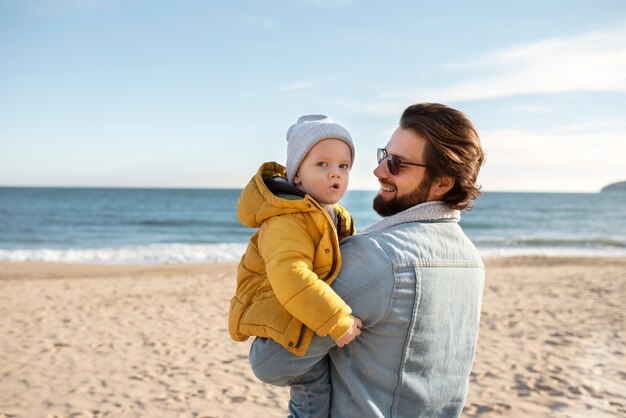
(199, 93)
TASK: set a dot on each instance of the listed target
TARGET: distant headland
(620, 186)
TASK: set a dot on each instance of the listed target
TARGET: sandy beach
(151, 341)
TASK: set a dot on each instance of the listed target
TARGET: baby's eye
(344, 166)
(322, 164)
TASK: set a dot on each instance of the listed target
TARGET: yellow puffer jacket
(283, 279)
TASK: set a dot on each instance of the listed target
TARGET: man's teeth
(386, 188)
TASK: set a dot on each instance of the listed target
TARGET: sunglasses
(393, 161)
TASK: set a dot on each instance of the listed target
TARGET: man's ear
(440, 187)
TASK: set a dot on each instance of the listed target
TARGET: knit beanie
(308, 131)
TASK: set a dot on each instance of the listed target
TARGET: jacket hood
(258, 203)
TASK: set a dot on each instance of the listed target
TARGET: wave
(168, 222)
(142, 254)
(178, 253)
(185, 222)
(544, 242)
(497, 252)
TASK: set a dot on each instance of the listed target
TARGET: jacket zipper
(300, 337)
(330, 274)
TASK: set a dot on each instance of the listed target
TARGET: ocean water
(196, 226)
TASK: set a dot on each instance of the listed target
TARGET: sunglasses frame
(394, 163)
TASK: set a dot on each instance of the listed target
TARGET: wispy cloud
(594, 61)
(589, 62)
(530, 108)
(531, 148)
(593, 126)
(560, 160)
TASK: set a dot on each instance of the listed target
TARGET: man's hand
(351, 334)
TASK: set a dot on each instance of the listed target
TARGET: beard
(399, 203)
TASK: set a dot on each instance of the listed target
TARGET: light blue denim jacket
(416, 281)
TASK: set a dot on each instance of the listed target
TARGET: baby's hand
(351, 334)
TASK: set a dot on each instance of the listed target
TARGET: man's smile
(386, 187)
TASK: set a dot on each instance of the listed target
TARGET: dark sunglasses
(393, 161)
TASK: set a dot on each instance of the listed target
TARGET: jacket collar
(424, 212)
(280, 186)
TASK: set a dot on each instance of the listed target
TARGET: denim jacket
(416, 282)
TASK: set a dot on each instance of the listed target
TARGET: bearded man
(414, 279)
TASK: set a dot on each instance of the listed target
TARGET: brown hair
(453, 149)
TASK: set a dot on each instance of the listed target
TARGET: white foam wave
(231, 253)
(147, 254)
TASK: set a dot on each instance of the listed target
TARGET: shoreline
(54, 269)
(224, 253)
(96, 340)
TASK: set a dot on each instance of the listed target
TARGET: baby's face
(325, 171)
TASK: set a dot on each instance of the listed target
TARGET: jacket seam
(439, 263)
(414, 313)
(375, 283)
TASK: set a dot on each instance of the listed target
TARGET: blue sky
(193, 93)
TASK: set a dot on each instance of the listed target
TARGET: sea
(149, 226)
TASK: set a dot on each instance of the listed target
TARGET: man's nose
(381, 169)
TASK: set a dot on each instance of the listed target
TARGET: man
(414, 279)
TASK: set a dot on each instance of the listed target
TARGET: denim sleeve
(365, 283)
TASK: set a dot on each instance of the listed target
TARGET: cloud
(557, 149)
(594, 61)
(594, 126)
(529, 108)
(589, 62)
(566, 159)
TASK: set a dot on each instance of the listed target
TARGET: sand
(152, 341)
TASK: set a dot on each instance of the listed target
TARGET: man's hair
(453, 149)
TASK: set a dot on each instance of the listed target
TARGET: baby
(283, 279)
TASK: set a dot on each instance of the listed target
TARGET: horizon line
(135, 187)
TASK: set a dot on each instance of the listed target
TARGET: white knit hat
(308, 131)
